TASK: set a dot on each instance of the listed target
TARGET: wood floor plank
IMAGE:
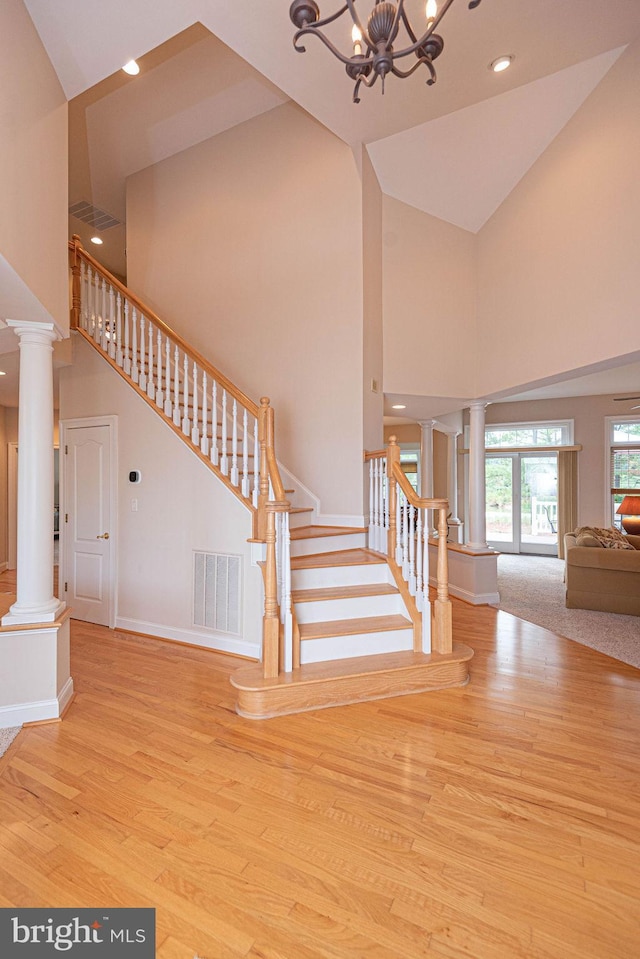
(496, 821)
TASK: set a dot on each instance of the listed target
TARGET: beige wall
(373, 400)
(4, 544)
(250, 246)
(559, 283)
(588, 413)
(429, 296)
(33, 172)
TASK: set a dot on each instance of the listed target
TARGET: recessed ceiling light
(502, 63)
(131, 68)
(2, 373)
(399, 406)
(97, 240)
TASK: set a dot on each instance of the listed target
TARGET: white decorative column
(426, 466)
(454, 521)
(477, 525)
(35, 602)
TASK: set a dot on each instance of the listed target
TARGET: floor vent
(216, 592)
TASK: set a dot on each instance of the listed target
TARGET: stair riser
(322, 576)
(361, 644)
(352, 607)
(327, 544)
(300, 519)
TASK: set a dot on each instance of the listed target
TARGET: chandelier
(373, 54)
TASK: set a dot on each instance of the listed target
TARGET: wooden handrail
(374, 455)
(419, 502)
(78, 251)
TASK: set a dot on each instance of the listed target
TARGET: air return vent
(216, 592)
(93, 216)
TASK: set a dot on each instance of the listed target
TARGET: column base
(20, 615)
(35, 677)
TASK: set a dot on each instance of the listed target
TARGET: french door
(522, 502)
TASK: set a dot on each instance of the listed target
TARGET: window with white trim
(551, 433)
(623, 473)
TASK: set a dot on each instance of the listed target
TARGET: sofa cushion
(609, 538)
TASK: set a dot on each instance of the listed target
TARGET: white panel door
(88, 523)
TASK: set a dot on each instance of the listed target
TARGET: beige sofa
(600, 578)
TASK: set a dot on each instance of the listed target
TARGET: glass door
(522, 502)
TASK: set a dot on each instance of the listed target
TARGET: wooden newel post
(265, 427)
(443, 631)
(76, 295)
(393, 456)
(271, 620)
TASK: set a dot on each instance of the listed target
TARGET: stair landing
(340, 683)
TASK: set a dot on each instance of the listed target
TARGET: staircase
(347, 614)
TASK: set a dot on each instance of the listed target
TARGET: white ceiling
(237, 59)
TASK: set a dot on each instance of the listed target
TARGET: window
(554, 433)
(409, 459)
(624, 461)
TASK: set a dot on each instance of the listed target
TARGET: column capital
(479, 404)
(41, 332)
(427, 424)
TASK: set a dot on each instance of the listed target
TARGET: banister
(420, 502)
(374, 455)
(78, 250)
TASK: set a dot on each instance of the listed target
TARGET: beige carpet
(532, 588)
(7, 736)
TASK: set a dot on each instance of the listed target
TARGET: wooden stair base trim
(410, 604)
(346, 681)
(318, 532)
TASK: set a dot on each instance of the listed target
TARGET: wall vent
(216, 592)
(90, 214)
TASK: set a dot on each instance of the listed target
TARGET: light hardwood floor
(494, 821)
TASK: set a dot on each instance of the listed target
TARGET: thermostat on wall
(135, 476)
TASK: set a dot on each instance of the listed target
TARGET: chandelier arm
(312, 31)
(323, 23)
(407, 73)
(408, 27)
(368, 83)
(418, 43)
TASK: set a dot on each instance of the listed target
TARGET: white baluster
(380, 506)
(84, 295)
(151, 386)
(95, 331)
(143, 348)
(286, 595)
(399, 517)
(224, 460)
(176, 387)
(159, 393)
(104, 324)
(185, 397)
(245, 454)
(412, 550)
(118, 342)
(93, 322)
(256, 465)
(135, 371)
(215, 457)
(405, 538)
(234, 444)
(426, 603)
(111, 345)
(195, 432)
(384, 545)
(419, 557)
(204, 442)
(127, 358)
(372, 500)
(168, 408)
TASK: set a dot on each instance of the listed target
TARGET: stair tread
(298, 509)
(344, 592)
(349, 627)
(313, 532)
(341, 557)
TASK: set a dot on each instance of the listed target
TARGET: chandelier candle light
(373, 54)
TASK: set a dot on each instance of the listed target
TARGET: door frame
(516, 545)
(65, 426)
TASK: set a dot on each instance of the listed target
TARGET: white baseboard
(220, 642)
(476, 599)
(38, 712)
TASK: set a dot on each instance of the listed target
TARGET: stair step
(347, 557)
(343, 592)
(318, 532)
(348, 627)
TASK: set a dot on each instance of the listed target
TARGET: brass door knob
(104, 536)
